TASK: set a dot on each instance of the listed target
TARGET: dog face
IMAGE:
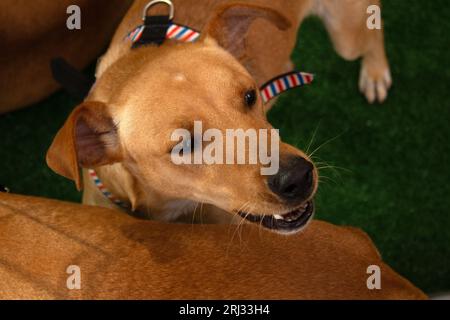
(150, 93)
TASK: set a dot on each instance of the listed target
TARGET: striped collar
(283, 83)
(102, 188)
(174, 32)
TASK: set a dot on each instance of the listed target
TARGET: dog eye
(250, 98)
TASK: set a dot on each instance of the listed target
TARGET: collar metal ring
(155, 2)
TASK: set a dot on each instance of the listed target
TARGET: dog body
(34, 32)
(120, 257)
(142, 95)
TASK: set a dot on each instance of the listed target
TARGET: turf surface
(393, 160)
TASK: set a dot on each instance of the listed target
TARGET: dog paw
(374, 81)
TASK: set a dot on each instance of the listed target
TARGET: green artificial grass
(392, 160)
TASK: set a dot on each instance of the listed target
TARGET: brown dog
(120, 257)
(142, 95)
(34, 32)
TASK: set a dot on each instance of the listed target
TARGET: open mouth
(289, 222)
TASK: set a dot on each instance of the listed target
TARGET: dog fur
(121, 257)
(34, 32)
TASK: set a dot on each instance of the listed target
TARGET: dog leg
(346, 22)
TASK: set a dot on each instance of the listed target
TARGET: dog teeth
(292, 216)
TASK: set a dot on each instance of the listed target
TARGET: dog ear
(88, 139)
(230, 24)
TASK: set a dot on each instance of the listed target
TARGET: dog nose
(294, 180)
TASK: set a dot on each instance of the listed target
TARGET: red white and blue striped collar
(283, 83)
(174, 32)
(102, 188)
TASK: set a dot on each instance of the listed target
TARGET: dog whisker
(335, 168)
(234, 233)
(250, 208)
(260, 226)
(324, 144)
(327, 179)
(322, 165)
(201, 213)
(193, 214)
(313, 137)
(242, 221)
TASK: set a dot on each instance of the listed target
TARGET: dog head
(151, 93)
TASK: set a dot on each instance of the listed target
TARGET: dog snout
(294, 181)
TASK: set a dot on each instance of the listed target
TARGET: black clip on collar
(155, 27)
